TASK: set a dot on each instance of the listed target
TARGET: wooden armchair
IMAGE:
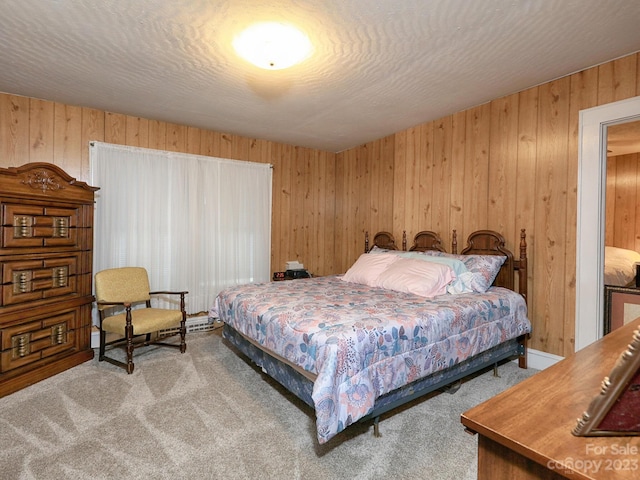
(128, 287)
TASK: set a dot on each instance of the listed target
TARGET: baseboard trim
(540, 360)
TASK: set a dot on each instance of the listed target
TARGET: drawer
(28, 226)
(35, 340)
(29, 280)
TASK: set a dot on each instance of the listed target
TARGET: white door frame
(592, 164)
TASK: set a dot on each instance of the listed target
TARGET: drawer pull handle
(20, 345)
(58, 334)
(60, 277)
(22, 226)
(60, 227)
(21, 282)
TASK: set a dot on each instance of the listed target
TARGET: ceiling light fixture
(272, 45)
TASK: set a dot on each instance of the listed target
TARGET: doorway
(591, 214)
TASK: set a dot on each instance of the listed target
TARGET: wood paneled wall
(33, 130)
(622, 210)
(505, 165)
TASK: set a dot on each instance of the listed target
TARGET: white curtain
(195, 223)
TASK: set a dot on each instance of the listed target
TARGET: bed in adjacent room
(397, 325)
(620, 266)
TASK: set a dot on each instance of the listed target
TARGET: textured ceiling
(379, 66)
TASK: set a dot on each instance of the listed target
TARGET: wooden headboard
(427, 240)
(423, 241)
(384, 240)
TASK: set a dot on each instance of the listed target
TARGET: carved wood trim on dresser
(46, 244)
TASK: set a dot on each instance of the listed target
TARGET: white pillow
(461, 283)
(619, 265)
(482, 269)
(409, 275)
(368, 267)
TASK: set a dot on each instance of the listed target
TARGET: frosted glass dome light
(272, 45)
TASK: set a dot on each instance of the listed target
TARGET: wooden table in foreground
(525, 432)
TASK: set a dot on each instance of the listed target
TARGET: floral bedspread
(362, 342)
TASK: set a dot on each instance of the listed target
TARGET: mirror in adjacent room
(622, 217)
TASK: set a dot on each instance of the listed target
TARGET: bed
(620, 266)
(353, 351)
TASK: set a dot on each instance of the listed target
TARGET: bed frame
(485, 242)
(423, 241)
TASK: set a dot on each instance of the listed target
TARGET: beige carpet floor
(210, 414)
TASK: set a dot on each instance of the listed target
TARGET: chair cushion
(125, 284)
(144, 320)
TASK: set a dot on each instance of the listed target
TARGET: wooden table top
(535, 418)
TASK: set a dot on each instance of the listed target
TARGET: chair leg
(183, 333)
(129, 336)
(183, 325)
(103, 339)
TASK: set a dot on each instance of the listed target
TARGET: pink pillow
(368, 267)
(419, 277)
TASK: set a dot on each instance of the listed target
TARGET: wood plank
(157, 135)
(297, 215)
(457, 193)
(176, 137)
(327, 226)
(503, 155)
(399, 179)
(441, 193)
(115, 128)
(67, 141)
(617, 79)
(387, 172)
(362, 212)
(239, 147)
(476, 168)
(610, 202)
(626, 200)
(41, 123)
(340, 211)
(425, 180)
(14, 130)
(550, 222)
(411, 182)
(375, 182)
(315, 245)
(92, 131)
(137, 132)
(193, 141)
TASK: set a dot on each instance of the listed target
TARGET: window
(195, 223)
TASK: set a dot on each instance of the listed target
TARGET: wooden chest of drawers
(46, 242)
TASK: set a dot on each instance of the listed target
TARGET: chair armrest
(162, 292)
(114, 304)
